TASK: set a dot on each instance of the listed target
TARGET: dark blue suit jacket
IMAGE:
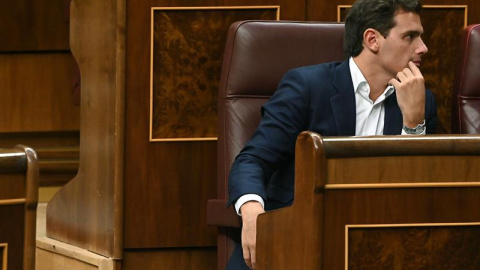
(318, 98)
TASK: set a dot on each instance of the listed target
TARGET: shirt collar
(357, 76)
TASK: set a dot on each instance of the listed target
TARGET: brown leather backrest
(466, 92)
(257, 54)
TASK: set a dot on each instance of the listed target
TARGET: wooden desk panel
(388, 181)
(389, 207)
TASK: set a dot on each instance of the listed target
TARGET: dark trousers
(236, 261)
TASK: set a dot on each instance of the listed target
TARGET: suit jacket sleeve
(284, 116)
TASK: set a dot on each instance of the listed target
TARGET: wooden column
(87, 212)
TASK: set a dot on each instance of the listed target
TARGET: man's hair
(376, 14)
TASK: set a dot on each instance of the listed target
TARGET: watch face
(411, 131)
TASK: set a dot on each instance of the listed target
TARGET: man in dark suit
(378, 90)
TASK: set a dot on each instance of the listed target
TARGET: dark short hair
(376, 14)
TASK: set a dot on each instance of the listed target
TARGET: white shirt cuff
(247, 198)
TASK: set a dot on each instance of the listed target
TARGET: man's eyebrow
(413, 32)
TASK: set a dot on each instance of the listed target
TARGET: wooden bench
(19, 175)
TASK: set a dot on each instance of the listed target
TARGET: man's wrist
(247, 198)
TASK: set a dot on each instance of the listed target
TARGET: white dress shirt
(369, 120)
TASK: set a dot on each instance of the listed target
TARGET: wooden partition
(18, 204)
(87, 212)
(390, 202)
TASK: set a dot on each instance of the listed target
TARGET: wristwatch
(419, 129)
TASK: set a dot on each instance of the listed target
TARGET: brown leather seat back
(466, 92)
(257, 55)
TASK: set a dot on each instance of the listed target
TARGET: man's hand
(250, 211)
(410, 88)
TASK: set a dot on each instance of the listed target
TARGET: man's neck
(376, 78)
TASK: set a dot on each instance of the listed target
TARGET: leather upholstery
(466, 92)
(257, 54)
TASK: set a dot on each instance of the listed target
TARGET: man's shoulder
(322, 69)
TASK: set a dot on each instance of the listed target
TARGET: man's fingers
(408, 72)
(401, 77)
(250, 212)
(394, 82)
(415, 70)
(246, 256)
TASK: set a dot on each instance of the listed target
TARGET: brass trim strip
(183, 139)
(151, 139)
(12, 202)
(465, 7)
(402, 185)
(339, 7)
(348, 226)
(401, 225)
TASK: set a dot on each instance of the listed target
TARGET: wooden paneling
(36, 91)
(323, 212)
(34, 25)
(11, 228)
(57, 153)
(3, 255)
(343, 171)
(40, 139)
(12, 186)
(187, 259)
(413, 247)
(168, 180)
(187, 48)
(392, 206)
(36, 78)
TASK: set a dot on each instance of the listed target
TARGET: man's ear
(371, 39)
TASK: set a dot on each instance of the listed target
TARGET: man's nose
(422, 49)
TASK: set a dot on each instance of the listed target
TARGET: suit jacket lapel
(393, 116)
(343, 103)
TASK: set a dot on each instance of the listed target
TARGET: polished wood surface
(184, 259)
(170, 180)
(37, 92)
(430, 247)
(3, 255)
(87, 212)
(302, 224)
(33, 25)
(11, 227)
(57, 152)
(12, 161)
(424, 161)
(36, 79)
(18, 204)
(321, 210)
(393, 206)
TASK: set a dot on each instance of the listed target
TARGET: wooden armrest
(219, 215)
